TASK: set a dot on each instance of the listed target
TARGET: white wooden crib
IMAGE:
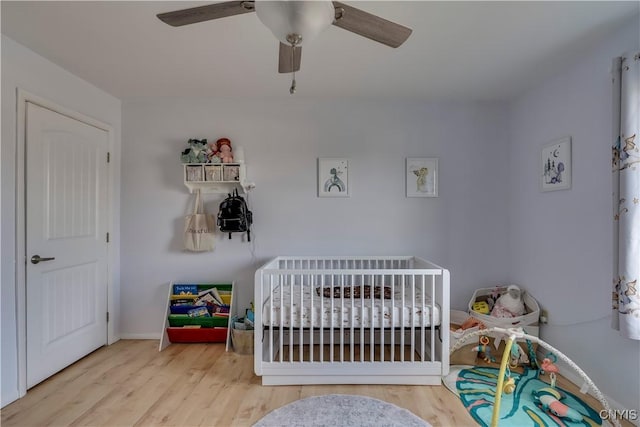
(313, 327)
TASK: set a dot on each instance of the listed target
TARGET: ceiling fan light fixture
(299, 20)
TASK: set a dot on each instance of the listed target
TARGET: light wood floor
(131, 383)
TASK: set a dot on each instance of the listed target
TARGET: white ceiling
(458, 50)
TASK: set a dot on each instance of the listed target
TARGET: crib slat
(413, 315)
(322, 285)
(362, 324)
(352, 311)
(331, 320)
(393, 317)
(381, 315)
(301, 329)
(372, 326)
(312, 290)
(432, 321)
(403, 290)
(341, 318)
(271, 316)
(282, 308)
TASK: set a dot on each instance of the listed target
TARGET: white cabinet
(216, 177)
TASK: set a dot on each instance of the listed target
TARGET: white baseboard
(9, 398)
(148, 336)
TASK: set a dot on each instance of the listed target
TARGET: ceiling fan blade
(370, 26)
(192, 15)
(284, 58)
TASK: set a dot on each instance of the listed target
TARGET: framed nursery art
(555, 165)
(422, 177)
(333, 177)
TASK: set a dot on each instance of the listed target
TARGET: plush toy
(485, 349)
(510, 304)
(212, 152)
(196, 153)
(549, 399)
(224, 150)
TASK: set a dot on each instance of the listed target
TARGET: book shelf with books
(198, 312)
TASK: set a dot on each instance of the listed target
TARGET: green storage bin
(177, 320)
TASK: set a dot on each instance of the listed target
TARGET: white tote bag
(199, 229)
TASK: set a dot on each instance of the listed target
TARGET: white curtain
(626, 195)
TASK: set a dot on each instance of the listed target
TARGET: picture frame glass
(555, 165)
(422, 177)
(333, 177)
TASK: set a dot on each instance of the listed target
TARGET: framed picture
(422, 177)
(333, 177)
(555, 165)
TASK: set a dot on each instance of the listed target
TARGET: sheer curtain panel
(626, 195)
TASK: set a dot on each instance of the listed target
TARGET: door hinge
(107, 317)
(108, 157)
(107, 237)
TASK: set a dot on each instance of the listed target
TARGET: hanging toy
(533, 360)
(510, 383)
(517, 356)
(548, 365)
(485, 349)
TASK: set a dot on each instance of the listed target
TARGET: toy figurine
(224, 150)
(196, 153)
(510, 304)
(549, 399)
(485, 349)
(481, 307)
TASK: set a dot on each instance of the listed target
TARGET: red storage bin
(178, 334)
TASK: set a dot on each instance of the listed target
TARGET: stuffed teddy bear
(224, 150)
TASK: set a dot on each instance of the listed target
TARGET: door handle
(36, 259)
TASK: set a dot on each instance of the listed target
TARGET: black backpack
(234, 215)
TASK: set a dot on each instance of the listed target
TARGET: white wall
(561, 242)
(464, 229)
(22, 68)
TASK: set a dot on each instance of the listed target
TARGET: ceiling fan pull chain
(292, 89)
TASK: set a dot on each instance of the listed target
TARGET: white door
(66, 204)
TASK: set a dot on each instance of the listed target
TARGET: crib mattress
(309, 309)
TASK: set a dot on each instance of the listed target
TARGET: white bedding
(310, 308)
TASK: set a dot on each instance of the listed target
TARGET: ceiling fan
(296, 22)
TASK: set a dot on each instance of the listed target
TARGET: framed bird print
(422, 177)
(555, 165)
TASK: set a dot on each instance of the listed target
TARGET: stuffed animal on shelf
(212, 152)
(549, 399)
(196, 153)
(224, 150)
(510, 304)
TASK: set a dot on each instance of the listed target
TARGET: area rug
(341, 410)
(475, 386)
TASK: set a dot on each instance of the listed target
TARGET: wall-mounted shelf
(216, 177)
